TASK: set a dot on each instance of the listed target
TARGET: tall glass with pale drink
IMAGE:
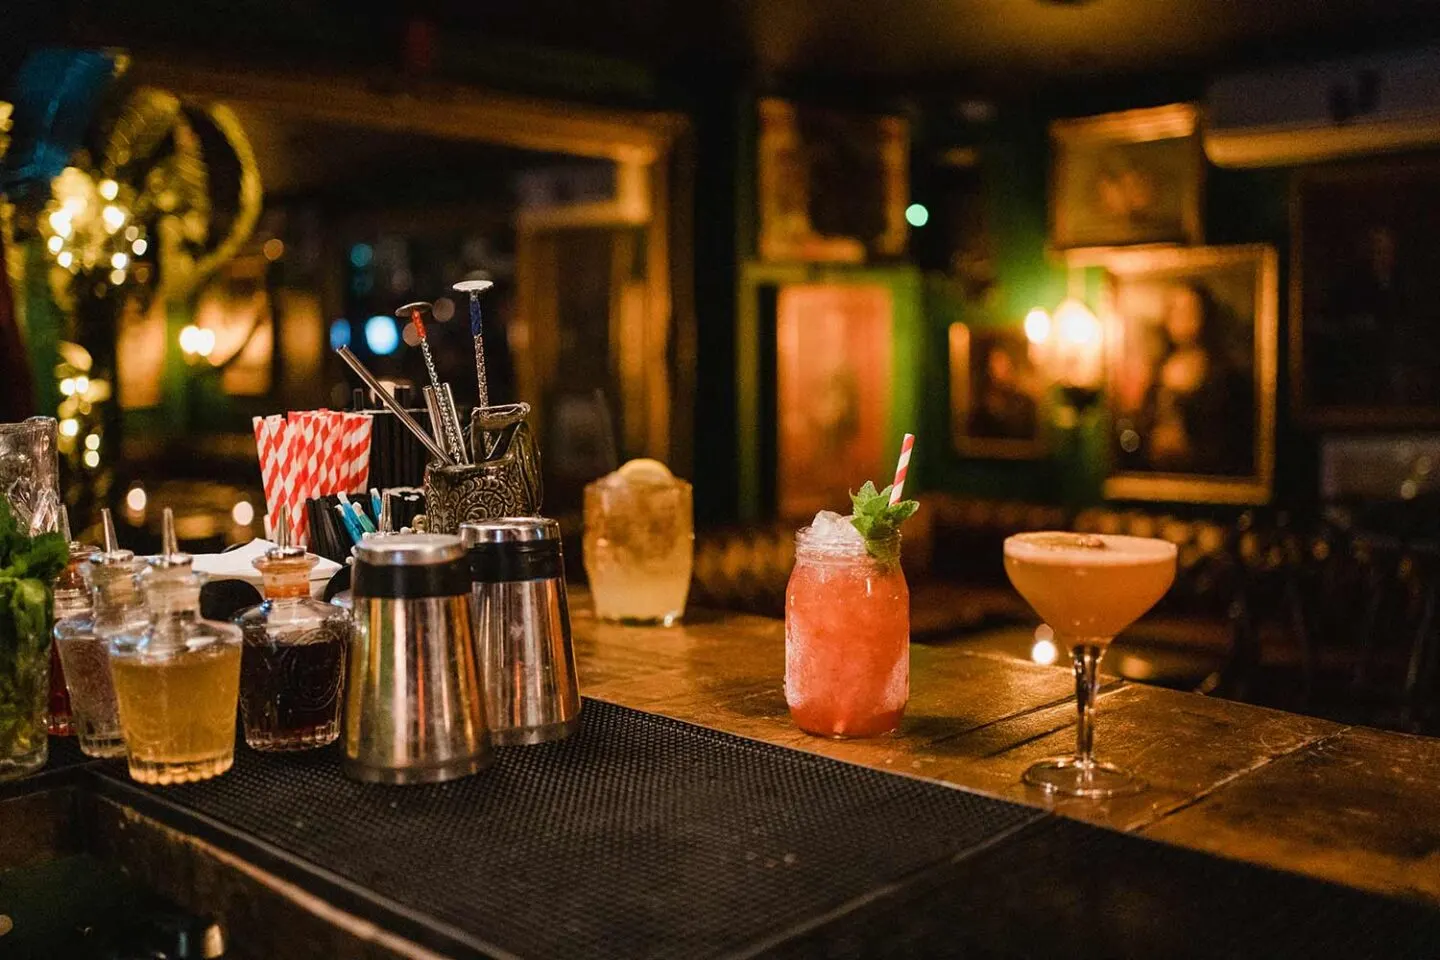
(1088, 588)
(639, 544)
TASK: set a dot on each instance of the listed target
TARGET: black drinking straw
(401, 414)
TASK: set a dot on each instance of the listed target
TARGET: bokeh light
(381, 334)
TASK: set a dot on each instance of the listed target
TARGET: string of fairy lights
(88, 227)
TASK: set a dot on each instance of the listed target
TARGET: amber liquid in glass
(178, 715)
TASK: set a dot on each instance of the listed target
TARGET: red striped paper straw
(355, 449)
(271, 448)
(902, 468)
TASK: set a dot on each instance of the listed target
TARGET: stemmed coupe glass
(1088, 588)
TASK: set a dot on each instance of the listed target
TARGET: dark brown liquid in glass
(290, 692)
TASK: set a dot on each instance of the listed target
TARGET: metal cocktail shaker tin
(522, 629)
(414, 704)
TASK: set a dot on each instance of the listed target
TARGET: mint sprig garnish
(878, 520)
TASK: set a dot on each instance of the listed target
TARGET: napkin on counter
(239, 564)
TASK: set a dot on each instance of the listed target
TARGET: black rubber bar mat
(1064, 889)
(639, 837)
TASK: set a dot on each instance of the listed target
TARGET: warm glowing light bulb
(205, 342)
(136, 499)
(917, 215)
(82, 385)
(242, 513)
(65, 259)
(92, 441)
(69, 427)
(119, 260)
(92, 459)
(190, 339)
(1044, 651)
(1076, 323)
(67, 386)
(1037, 326)
(113, 216)
(140, 246)
(109, 189)
(54, 244)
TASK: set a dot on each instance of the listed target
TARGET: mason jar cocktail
(847, 632)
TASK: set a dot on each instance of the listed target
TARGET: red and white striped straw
(902, 468)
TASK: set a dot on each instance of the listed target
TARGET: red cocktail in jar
(847, 631)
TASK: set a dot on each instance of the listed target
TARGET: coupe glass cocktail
(1088, 588)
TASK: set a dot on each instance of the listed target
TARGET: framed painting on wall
(1364, 290)
(997, 396)
(1124, 179)
(832, 185)
(1191, 353)
(833, 364)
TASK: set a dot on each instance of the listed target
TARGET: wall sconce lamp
(1069, 347)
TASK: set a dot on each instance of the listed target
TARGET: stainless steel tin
(522, 629)
(414, 702)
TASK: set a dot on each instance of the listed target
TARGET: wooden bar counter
(1351, 805)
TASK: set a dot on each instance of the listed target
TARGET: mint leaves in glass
(28, 566)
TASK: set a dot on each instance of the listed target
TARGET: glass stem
(1087, 684)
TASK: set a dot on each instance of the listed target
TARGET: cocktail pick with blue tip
(473, 289)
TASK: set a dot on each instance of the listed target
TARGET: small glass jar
(83, 641)
(847, 638)
(292, 669)
(72, 599)
(178, 680)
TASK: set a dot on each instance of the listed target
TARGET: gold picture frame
(1011, 427)
(831, 185)
(1191, 349)
(1127, 179)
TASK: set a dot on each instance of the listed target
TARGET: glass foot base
(283, 742)
(1068, 777)
(664, 620)
(166, 772)
(13, 768)
(103, 747)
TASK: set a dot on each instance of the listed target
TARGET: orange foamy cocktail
(1087, 587)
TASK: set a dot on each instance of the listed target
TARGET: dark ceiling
(918, 38)
(1011, 42)
(306, 157)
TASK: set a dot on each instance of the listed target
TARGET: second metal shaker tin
(522, 629)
